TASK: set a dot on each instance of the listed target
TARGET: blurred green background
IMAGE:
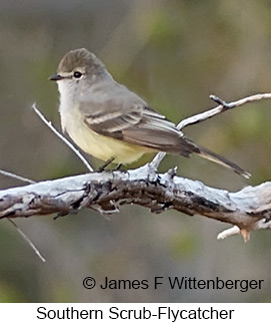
(173, 53)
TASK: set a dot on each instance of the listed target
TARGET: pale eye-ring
(77, 74)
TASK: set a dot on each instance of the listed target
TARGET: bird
(112, 123)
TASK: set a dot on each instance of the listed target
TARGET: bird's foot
(103, 167)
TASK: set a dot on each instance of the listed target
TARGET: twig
(157, 160)
(222, 107)
(228, 232)
(26, 180)
(18, 177)
(49, 124)
(27, 240)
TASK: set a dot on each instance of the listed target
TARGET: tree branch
(248, 209)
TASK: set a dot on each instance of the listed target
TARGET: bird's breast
(99, 146)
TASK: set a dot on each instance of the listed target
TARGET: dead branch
(248, 209)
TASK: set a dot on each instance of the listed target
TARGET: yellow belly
(100, 146)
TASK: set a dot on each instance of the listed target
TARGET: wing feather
(119, 113)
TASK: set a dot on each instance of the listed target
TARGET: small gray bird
(110, 122)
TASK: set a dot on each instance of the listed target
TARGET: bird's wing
(111, 121)
(135, 123)
(154, 131)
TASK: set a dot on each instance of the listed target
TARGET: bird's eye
(77, 74)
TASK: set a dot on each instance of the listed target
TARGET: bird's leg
(103, 167)
(118, 167)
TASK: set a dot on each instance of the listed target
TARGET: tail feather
(189, 146)
(205, 153)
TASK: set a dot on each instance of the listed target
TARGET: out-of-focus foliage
(173, 53)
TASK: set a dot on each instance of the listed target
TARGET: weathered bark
(248, 209)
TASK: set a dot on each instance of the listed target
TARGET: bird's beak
(56, 77)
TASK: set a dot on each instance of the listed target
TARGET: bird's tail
(206, 153)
